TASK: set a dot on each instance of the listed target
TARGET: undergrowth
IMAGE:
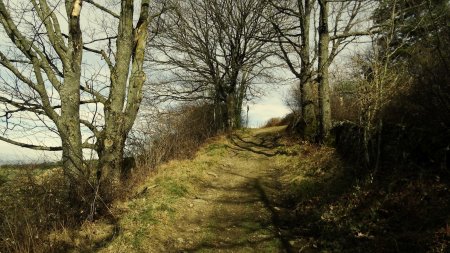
(331, 207)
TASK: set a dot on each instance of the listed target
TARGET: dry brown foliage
(175, 134)
(33, 202)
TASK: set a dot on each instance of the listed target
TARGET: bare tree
(315, 32)
(294, 39)
(212, 50)
(45, 76)
(390, 71)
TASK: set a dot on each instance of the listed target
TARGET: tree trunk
(239, 102)
(231, 112)
(69, 128)
(110, 166)
(306, 125)
(125, 96)
(309, 111)
(324, 89)
(69, 121)
(306, 86)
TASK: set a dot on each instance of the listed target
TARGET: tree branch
(30, 146)
(101, 7)
(98, 97)
(91, 127)
(101, 39)
(354, 34)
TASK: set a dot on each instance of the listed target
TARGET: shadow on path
(265, 147)
(275, 217)
(245, 220)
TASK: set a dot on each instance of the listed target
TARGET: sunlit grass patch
(215, 149)
(267, 131)
(147, 216)
(173, 188)
(139, 237)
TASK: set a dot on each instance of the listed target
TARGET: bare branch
(100, 7)
(101, 39)
(91, 127)
(30, 146)
(354, 34)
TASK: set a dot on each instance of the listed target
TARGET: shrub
(32, 204)
(284, 121)
(174, 134)
(272, 122)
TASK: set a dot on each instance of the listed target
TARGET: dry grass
(196, 205)
(230, 198)
(257, 190)
(32, 203)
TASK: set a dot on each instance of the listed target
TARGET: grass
(147, 216)
(138, 238)
(172, 188)
(260, 191)
(5, 176)
(216, 149)
(194, 205)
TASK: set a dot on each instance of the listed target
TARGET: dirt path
(217, 202)
(258, 191)
(232, 212)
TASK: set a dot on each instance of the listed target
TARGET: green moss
(147, 216)
(251, 225)
(174, 189)
(209, 236)
(272, 246)
(7, 174)
(164, 207)
(138, 238)
(3, 179)
(216, 149)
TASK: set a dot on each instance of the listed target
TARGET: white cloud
(270, 106)
(261, 113)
